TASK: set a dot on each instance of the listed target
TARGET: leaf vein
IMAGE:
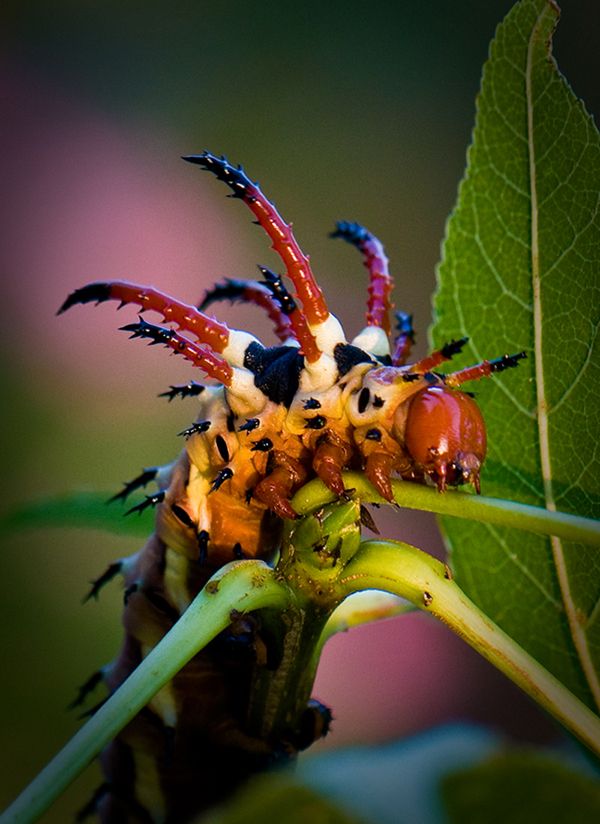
(513, 558)
(580, 373)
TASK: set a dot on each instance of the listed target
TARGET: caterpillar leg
(276, 489)
(332, 455)
(382, 456)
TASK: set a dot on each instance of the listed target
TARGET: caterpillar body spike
(86, 689)
(272, 419)
(191, 389)
(140, 481)
(149, 501)
(111, 571)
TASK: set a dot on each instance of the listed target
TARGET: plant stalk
(406, 571)
(459, 505)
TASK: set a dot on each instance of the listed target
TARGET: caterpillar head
(445, 436)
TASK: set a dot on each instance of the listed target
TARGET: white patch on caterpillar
(373, 340)
(243, 397)
(387, 384)
(319, 376)
(328, 334)
(235, 351)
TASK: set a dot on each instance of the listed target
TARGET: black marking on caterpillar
(363, 399)
(276, 371)
(250, 425)
(318, 422)
(223, 475)
(264, 445)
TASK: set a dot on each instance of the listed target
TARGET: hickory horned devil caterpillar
(314, 405)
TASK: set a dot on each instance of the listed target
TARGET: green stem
(459, 505)
(406, 571)
(279, 697)
(244, 586)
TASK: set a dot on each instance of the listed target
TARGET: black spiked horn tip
(351, 232)
(231, 290)
(453, 347)
(506, 361)
(98, 292)
(233, 176)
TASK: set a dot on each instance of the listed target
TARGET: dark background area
(341, 111)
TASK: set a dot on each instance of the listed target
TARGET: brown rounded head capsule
(445, 436)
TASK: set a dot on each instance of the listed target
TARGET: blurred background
(342, 111)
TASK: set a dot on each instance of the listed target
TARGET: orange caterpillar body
(315, 405)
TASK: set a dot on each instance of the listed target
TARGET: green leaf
(523, 788)
(520, 271)
(88, 510)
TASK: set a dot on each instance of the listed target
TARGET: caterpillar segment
(273, 418)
